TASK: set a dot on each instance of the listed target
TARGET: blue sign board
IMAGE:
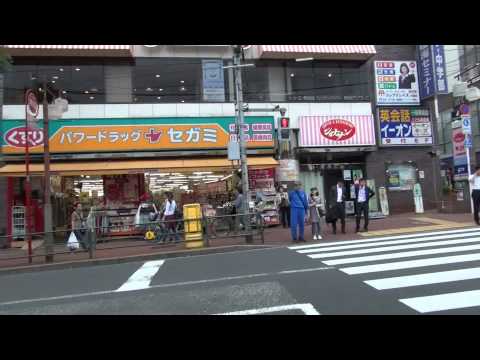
(425, 72)
(441, 85)
(432, 71)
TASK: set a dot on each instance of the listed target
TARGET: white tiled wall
(294, 110)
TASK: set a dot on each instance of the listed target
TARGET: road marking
(424, 279)
(404, 247)
(457, 300)
(400, 255)
(307, 309)
(381, 243)
(410, 264)
(306, 270)
(142, 277)
(160, 286)
(419, 236)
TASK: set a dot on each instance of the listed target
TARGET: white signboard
(213, 81)
(396, 83)
(288, 170)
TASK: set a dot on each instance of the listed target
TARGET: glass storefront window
(256, 83)
(401, 177)
(80, 81)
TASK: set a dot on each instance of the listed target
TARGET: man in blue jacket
(298, 210)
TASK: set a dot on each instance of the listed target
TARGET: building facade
(334, 88)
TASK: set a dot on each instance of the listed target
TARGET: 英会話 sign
(405, 126)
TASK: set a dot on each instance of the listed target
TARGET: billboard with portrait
(396, 83)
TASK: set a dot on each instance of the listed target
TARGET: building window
(79, 81)
(327, 81)
(170, 80)
(401, 177)
(255, 81)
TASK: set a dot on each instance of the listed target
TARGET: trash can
(192, 214)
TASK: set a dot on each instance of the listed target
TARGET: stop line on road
(374, 256)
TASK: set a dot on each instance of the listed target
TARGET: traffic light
(284, 128)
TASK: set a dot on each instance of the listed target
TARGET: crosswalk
(421, 264)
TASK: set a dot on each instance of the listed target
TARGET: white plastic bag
(73, 242)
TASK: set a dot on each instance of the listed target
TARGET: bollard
(193, 226)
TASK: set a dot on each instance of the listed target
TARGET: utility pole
(28, 185)
(237, 49)
(47, 207)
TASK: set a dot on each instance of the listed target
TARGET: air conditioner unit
(460, 89)
(473, 94)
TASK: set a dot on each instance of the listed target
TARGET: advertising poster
(373, 203)
(347, 175)
(459, 154)
(382, 195)
(394, 179)
(110, 135)
(213, 80)
(288, 170)
(405, 126)
(396, 83)
(262, 179)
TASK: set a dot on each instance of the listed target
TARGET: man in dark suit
(363, 194)
(338, 195)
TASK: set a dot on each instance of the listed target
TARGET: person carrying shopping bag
(79, 226)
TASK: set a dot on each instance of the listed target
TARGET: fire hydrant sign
(150, 134)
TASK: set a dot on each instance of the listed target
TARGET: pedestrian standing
(170, 217)
(315, 203)
(79, 225)
(363, 194)
(298, 212)
(475, 186)
(283, 207)
(337, 205)
(239, 213)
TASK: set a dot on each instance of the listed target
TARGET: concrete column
(118, 84)
(231, 83)
(276, 83)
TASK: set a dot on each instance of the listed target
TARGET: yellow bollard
(193, 228)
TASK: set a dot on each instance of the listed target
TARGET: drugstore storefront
(114, 164)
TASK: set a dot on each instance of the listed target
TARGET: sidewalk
(125, 250)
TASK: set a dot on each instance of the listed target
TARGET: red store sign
(341, 130)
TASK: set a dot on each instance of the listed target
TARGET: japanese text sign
(405, 126)
(396, 83)
(111, 135)
(432, 72)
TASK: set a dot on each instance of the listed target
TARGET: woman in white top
(475, 186)
(169, 216)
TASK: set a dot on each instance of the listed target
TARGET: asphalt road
(402, 275)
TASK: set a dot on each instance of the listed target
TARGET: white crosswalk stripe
(376, 256)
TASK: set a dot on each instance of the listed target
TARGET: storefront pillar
(9, 204)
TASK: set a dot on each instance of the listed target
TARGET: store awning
(133, 167)
(69, 50)
(359, 52)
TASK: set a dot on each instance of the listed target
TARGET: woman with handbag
(283, 207)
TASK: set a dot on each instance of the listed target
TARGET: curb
(131, 258)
